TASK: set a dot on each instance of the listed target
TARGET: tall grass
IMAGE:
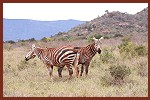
(31, 79)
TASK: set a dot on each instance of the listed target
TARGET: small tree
(11, 42)
(141, 50)
(31, 40)
(126, 48)
(119, 72)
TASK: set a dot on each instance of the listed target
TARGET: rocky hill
(113, 23)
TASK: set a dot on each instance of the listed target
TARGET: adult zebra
(59, 57)
(86, 54)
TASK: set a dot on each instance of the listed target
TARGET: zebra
(62, 56)
(86, 54)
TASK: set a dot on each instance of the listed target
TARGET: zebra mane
(92, 44)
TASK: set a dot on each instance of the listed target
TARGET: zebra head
(31, 54)
(98, 43)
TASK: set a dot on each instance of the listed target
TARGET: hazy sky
(64, 11)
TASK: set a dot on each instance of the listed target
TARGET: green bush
(108, 36)
(126, 39)
(141, 50)
(31, 40)
(63, 39)
(11, 42)
(44, 39)
(118, 35)
(90, 37)
(119, 72)
(107, 56)
(115, 75)
(98, 36)
(28, 40)
(126, 48)
(129, 49)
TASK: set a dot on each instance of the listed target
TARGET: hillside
(14, 29)
(113, 23)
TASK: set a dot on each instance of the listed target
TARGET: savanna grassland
(31, 79)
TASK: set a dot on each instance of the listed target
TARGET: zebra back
(57, 56)
(86, 53)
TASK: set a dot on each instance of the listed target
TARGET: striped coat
(86, 54)
(63, 56)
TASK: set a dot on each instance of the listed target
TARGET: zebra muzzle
(26, 59)
(99, 51)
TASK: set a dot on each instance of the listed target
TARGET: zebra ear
(94, 39)
(33, 46)
(101, 38)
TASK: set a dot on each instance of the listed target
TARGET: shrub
(108, 36)
(68, 38)
(28, 40)
(63, 39)
(44, 39)
(90, 37)
(119, 72)
(21, 40)
(129, 49)
(118, 35)
(11, 42)
(141, 50)
(31, 40)
(126, 39)
(115, 75)
(126, 48)
(107, 56)
(97, 36)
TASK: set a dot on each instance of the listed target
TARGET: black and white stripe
(63, 56)
(87, 53)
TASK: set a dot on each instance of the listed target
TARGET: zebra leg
(82, 68)
(50, 69)
(86, 68)
(76, 65)
(77, 71)
(60, 71)
(70, 72)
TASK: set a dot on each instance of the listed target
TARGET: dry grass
(31, 79)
